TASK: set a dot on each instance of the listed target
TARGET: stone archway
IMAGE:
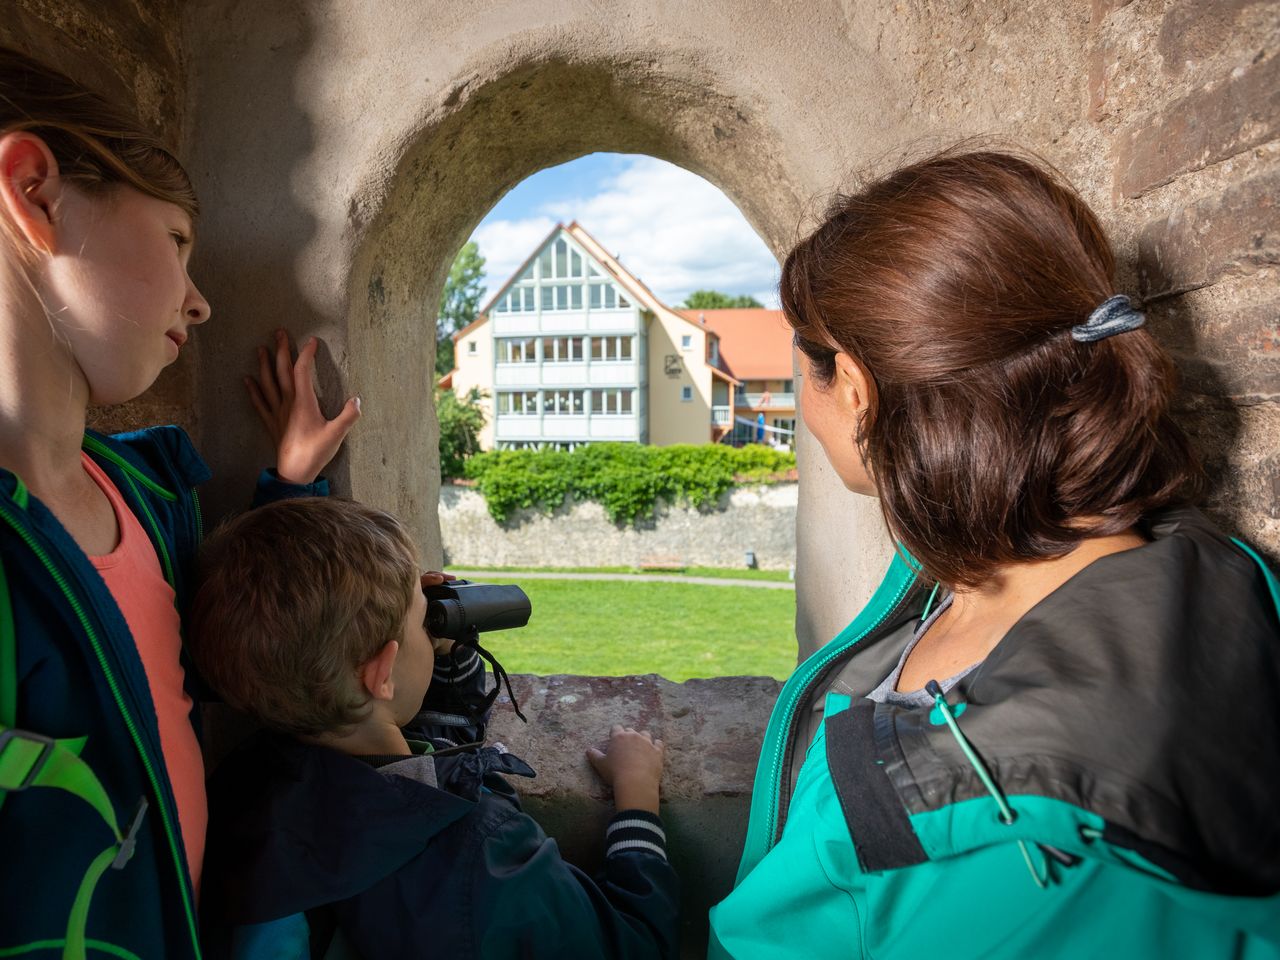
(336, 203)
(504, 129)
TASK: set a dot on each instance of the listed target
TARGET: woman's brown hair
(992, 436)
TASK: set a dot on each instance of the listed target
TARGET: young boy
(332, 831)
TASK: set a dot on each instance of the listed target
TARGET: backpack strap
(30, 760)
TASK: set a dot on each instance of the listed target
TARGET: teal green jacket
(1104, 784)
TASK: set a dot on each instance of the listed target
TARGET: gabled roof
(518, 270)
(755, 344)
(633, 283)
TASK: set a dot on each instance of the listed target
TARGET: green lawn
(678, 630)
(719, 573)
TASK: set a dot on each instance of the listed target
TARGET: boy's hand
(632, 765)
(285, 398)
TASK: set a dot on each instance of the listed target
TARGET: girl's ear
(375, 675)
(854, 383)
(29, 186)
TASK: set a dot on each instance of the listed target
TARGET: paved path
(491, 576)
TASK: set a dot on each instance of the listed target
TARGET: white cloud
(672, 229)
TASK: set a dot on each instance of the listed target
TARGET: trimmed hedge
(627, 479)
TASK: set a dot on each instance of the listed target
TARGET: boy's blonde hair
(293, 598)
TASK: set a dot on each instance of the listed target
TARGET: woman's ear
(29, 186)
(375, 674)
(854, 383)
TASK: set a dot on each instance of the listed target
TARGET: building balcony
(767, 401)
(598, 373)
(626, 320)
(722, 416)
(559, 427)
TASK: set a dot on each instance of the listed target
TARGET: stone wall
(760, 519)
(1188, 95)
(712, 730)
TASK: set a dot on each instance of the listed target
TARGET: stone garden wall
(760, 519)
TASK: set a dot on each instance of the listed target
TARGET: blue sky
(671, 228)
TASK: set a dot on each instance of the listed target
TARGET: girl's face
(831, 414)
(117, 288)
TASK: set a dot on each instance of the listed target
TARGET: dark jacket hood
(274, 796)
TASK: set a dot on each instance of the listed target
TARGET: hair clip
(1114, 315)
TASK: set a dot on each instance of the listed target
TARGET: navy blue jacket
(79, 675)
(433, 857)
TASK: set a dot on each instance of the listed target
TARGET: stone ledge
(712, 730)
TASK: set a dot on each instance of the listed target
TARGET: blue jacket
(78, 675)
(316, 853)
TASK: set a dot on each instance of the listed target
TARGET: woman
(1055, 730)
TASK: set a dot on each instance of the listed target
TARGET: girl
(101, 777)
(1055, 730)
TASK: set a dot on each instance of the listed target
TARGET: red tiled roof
(755, 344)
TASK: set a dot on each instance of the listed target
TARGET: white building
(574, 349)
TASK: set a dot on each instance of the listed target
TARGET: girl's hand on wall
(632, 765)
(285, 397)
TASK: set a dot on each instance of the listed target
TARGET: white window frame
(528, 355)
(575, 347)
(613, 400)
(561, 403)
(527, 407)
(611, 349)
(686, 394)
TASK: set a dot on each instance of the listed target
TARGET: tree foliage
(715, 300)
(627, 479)
(461, 421)
(460, 303)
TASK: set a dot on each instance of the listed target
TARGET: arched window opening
(620, 305)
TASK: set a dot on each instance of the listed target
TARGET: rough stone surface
(1204, 127)
(1237, 232)
(1227, 351)
(712, 730)
(1195, 31)
(760, 519)
(1238, 443)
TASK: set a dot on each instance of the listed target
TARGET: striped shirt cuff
(465, 661)
(635, 830)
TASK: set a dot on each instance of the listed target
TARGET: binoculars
(462, 610)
